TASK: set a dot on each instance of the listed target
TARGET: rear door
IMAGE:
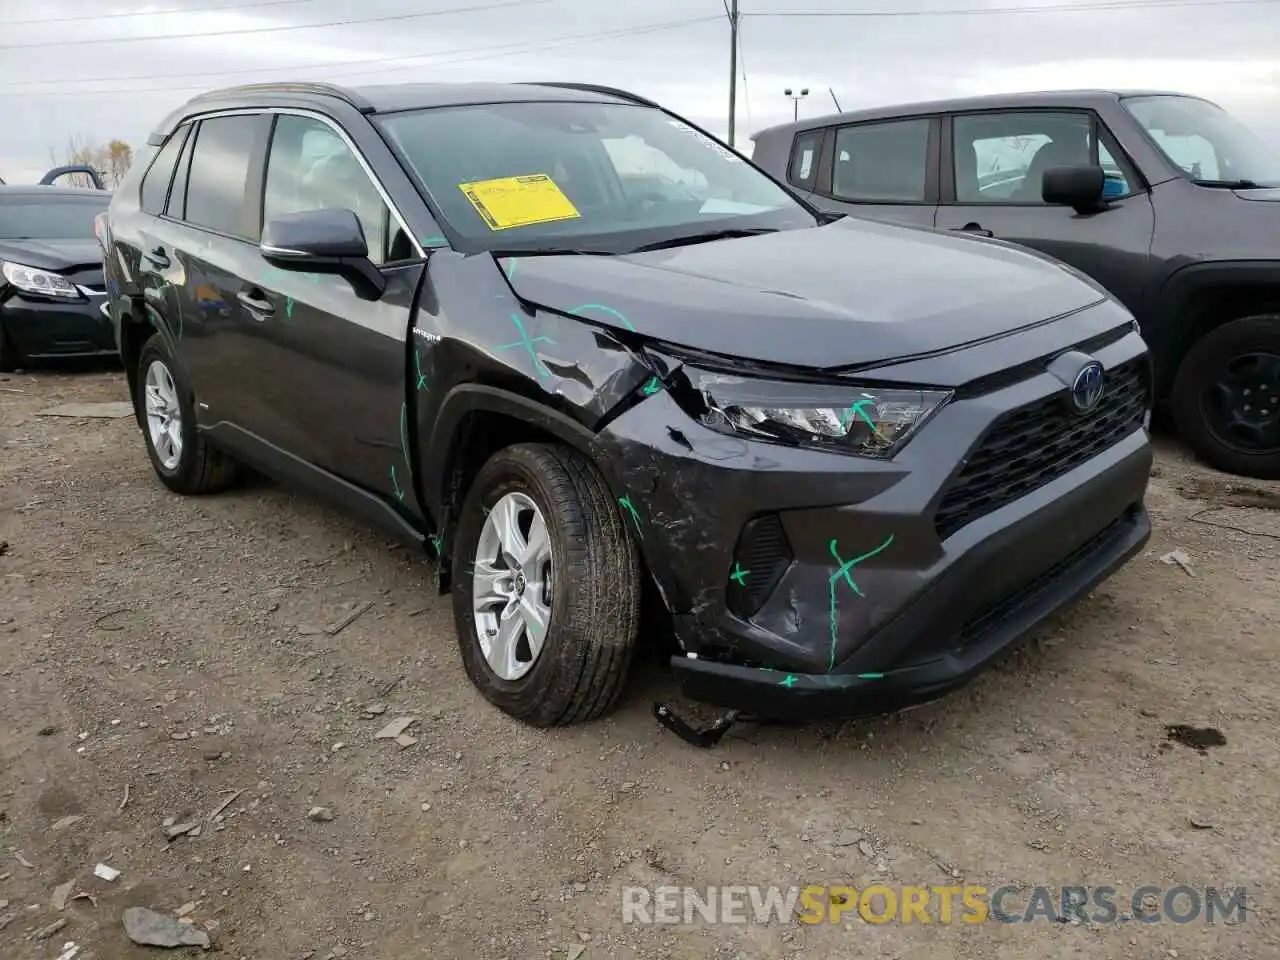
(879, 169)
(339, 397)
(204, 244)
(994, 163)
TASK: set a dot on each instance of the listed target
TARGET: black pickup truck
(1167, 200)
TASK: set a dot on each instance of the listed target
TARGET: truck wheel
(546, 587)
(182, 458)
(1226, 397)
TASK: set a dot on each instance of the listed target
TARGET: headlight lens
(42, 282)
(858, 419)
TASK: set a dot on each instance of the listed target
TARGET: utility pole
(733, 66)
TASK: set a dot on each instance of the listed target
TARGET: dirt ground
(168, 652)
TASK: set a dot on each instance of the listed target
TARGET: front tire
(1226, 397)
(546, 587)
(180, 455)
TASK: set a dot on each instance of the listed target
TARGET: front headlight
(41, 282)
(858, 419)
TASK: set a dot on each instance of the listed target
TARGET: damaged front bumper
(808, 584)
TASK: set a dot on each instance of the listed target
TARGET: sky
(82, 69)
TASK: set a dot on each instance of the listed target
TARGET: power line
(354, 21)
(154, 13)
(988, 11)
(482, 53)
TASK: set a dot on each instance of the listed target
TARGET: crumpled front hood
(51, 254)
(850, 293)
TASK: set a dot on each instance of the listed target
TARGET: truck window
(882, 162)
(310, 167)
(804, 159)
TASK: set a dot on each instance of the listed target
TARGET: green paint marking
(788, 681)
(435, 242)
(871, 676)
(417, 367)
(288, 308)
(652, 387)
(527, 342)
(576, 311)
(395, 485)
(437, 545)
(511, 269)
(739, 574)
(842, 572)
(630, 507)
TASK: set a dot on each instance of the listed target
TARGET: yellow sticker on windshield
(519, 201)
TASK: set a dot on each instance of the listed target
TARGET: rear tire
(592, 593)
(182, 458)
(1226, 397)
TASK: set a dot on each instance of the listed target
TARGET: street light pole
(795, 100)
(733, 67)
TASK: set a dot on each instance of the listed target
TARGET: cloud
(1225, 52)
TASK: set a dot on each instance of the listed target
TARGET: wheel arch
(1202, 297)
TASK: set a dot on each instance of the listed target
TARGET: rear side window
(155, 185)
(804, 159)
(219, 174)
(882, 162)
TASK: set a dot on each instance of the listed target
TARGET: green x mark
(842, 572)
(417, 366)
(739, 574)
(652, 387)
(527, 342)
(788, 681)
(437, 544)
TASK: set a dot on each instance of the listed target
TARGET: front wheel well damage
(480, 435)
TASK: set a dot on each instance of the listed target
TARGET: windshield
(583, 176)
(1208, 144)
(60, 218)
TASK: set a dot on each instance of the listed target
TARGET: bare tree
(110, 159)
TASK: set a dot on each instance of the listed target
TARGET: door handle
(258, 306)
(158, 257)
(975, 229)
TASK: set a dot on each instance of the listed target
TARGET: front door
(994, 168)
(343, 407)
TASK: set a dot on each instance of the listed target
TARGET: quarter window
(220, 173)
(310, 167)
(804, 159)
(155, 185)
(1002, 157)
(882, 162)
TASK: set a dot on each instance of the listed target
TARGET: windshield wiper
(710, 235)
(546, 252)
(1230, 184)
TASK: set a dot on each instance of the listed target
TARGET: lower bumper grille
(1034, 445)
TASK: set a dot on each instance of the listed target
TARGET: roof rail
(593, 88)
(311, 87)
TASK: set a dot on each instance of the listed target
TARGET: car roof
(390, 98)
(1089, 99)
(29, 191)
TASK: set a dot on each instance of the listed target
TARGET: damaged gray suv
(577, 349)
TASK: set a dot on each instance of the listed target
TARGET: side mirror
(323, 241)
(1080, 188)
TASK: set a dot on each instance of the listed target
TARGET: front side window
(220, 172)
(882, 162)
(310, 167)
(1001, 157)
(574, 175)
(1205, 142)
(55, 218)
